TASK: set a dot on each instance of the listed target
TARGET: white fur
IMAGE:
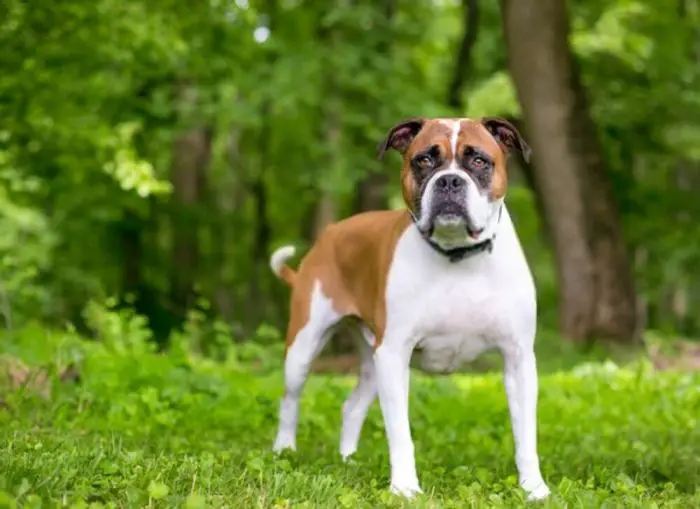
(480, 208)
(357, 405)
(454, 137)
(280, 257)
(452, 312)
(308, 343)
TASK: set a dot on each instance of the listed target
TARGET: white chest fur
(454, 311)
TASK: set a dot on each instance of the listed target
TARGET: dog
(445, 277)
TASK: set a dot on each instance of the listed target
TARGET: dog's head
(454, 174)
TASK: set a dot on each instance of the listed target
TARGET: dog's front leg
(521, 388)
(392, 371)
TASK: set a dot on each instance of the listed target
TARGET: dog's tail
(278, 264)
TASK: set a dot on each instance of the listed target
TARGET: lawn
(141, 429)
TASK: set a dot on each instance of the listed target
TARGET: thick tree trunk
(597, 298)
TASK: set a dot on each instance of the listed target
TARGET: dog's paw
(284, 445)
(536, 490)
(408, 490)
(346, 455)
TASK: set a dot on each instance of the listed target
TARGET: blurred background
(153, 154)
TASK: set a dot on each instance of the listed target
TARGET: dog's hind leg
(306, 343)
(359, 402)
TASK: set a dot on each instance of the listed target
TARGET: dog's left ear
(507, 136)
(400, 136)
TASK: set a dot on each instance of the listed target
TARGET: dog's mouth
(450, 222)
(450, 225)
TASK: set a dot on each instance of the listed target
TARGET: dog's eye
(479, 163)
(424, 162)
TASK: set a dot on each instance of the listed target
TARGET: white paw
(408, 490)
(537, 490)
(282, 444)
(345, 454)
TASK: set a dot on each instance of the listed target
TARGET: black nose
(449, 183)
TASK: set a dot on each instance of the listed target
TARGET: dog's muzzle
(447, 204)
(444, 208)
(449, 197)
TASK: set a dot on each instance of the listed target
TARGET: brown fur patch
(351, 261)
(473, 133)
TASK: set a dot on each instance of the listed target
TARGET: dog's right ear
(400, 136)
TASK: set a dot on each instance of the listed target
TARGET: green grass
(141, 429)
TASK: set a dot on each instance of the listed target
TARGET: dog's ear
(507, 136)
(400, 136)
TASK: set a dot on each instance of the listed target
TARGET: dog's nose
(449, 183)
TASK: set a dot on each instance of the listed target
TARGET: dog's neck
(457, 254)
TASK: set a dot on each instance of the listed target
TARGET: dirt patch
(669, 355)
(343, 363)
(16, 375)
(676, 355)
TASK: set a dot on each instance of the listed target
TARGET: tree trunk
(597, 298)
(130, 232)
(528, 175)
(229, 194)
(261, 246)
(325, 212)
(257, 305)
(460, 74)
(372, 191)
(191, 153)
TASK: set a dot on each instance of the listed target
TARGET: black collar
(460, 253)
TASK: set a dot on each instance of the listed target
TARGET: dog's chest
(454, 312)
(454, 320)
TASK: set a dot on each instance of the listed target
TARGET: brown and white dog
(447, 277)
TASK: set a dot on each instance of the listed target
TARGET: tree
(597, 297)
(462, 60)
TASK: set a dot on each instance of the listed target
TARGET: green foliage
(640, 62)
(294, 97)
(494, 96)
(141, 428)
(290, 98)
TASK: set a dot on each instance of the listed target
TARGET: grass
(141, 429)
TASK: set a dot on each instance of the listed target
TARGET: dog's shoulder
(366, 237)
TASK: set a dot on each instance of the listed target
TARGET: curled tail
(279, 266)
